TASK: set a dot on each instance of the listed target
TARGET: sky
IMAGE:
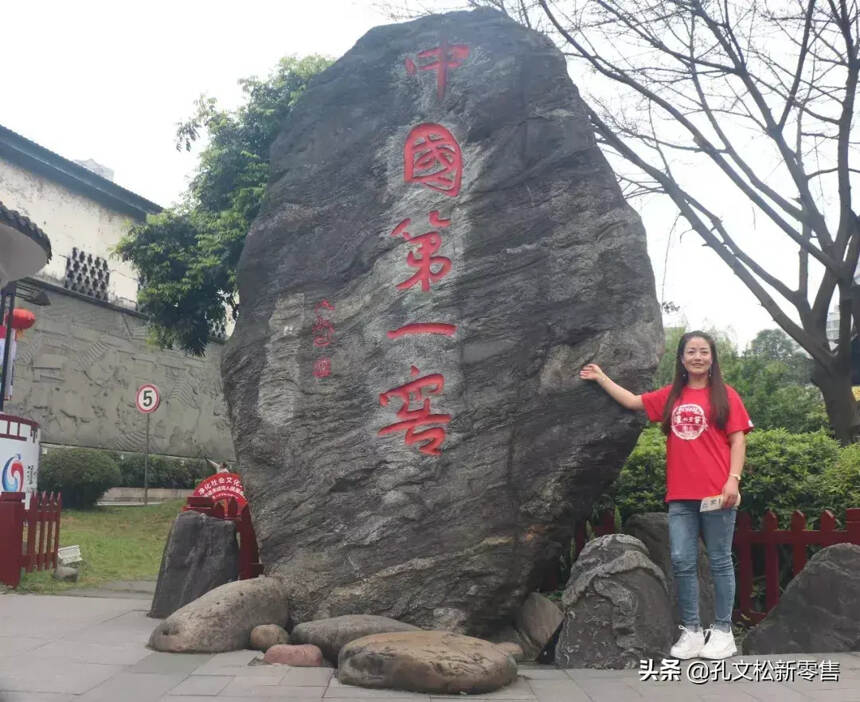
(109, 81)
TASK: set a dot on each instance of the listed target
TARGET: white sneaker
(689, 645)
(721, 644)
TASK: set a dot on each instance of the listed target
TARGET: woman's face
(696, 357)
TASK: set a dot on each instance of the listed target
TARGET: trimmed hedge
(783, 472)
(163, 472)
(81, 475)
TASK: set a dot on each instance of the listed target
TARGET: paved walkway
(88, 649)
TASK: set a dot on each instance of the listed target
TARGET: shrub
(783, 472)
(81, 475)
(163, 472)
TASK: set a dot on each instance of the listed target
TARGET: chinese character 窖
(413, 418)
(428, 244)
(446, 57)
(432, 157)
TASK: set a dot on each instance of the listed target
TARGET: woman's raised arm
(625, 398)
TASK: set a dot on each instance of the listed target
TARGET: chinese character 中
(443, 58)
(413, 418)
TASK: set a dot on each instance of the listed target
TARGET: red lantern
(22, 319)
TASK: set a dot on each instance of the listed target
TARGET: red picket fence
(249, 555)
(38, 551)
(770, 536)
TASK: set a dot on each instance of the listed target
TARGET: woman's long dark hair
(719, 397)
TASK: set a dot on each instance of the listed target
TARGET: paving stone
(35, 697)
(202, 685)
(133, 687)
(33, 674)
(338, 689)
(170, 662)
(312, 677)
(251, 687)
(127, 653)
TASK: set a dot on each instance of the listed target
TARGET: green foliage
(81, 475)
(641, 485)
(163, 472)
(771, 376)
(187, 256)
(783, 472)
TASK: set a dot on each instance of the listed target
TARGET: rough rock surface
(222, 619)
(201, 553)
(652, 529)
(818, 612)
(536, 621)
(301, 655)
(333, 634)
(548, 270)
(616, 605)
(264, 636)
(426, 661)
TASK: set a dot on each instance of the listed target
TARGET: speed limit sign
(147, 398)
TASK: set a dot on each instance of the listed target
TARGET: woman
(705, 423)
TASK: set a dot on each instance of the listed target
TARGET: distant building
(79, 367)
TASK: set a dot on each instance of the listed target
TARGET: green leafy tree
(771, 376)
(187, 256)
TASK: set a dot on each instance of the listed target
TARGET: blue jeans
(717, 528)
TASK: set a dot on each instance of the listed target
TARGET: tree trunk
(834, 381)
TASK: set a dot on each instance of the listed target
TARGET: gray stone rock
(652, 529)
(549, 270)
(264, 636)
(66, 574)
(537, 620)
(434, 662)
(298, 656)
(616, 606)
(222, 619)
(333, 634)
(201, 553)
(818, 612)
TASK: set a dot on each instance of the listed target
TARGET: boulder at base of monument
(201, 553)
(264, 636)
(652, 529)
(537, 621)
(442, 247)
(222, 619)
(616, 606)
(433, 662)
(333, 634)
(296, 655)
(819, 612)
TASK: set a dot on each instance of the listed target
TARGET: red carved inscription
(411, 419)
(440, 59)
(430, 268)
(432, 157)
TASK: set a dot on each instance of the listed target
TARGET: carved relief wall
(77, 372)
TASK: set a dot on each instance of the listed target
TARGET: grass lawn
(117, 543)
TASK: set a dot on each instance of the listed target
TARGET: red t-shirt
(697, 450)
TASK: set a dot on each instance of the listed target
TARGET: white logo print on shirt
(688, 422)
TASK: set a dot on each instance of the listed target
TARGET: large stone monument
(441, 248)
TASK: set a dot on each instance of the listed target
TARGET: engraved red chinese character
(423, 328)
(412, 418)
(428, 244)
(442, 59)
(323, 328)
(322, 368)
(432, 157)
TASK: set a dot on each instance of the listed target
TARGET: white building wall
(70, 219)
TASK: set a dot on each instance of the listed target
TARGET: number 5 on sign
(147, 401)
(147, 398)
